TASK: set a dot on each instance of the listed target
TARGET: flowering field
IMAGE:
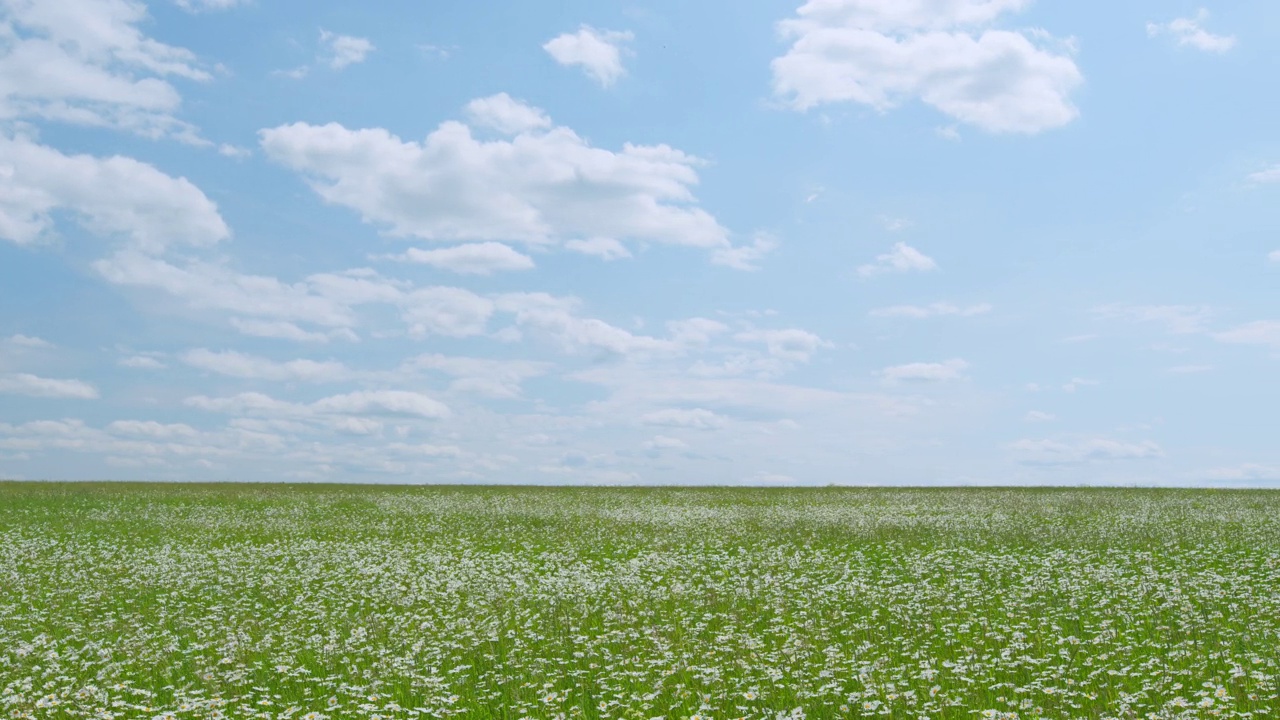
(164, 601)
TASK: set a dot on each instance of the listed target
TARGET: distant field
(144, 601)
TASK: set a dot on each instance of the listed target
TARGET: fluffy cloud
(204, 5)
(152, 429)
(141, 362)
(556, 320)
(1177, 319)
(507, 115)
(598, 52)
(483, 258)
(901, 258)
(746, 257)
(236, 364)
(606, 249)
(86, 62)
(28, 341)
(697, 418)
(1189, 33)
(1054, 452)
(480, 376)
(952, 369)
(791, 344)
(942, 52)
(1038, 416)
(35, 386)
(339, 51)
(938, 309)
(544, 185)
(114, 196)
(364, 402)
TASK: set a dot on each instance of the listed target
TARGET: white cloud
(86, 62)
(1053, 452)
(339, 51)
(446, 311)
(663, 442)
(114, 196)
(1268, 175)
(288, 331)
(606, 249)
(1274, 256)
(696, 418)
(236, 364)
(545, 185)
(393, 402)
(1188, 32)
(952, 369)
(506, 115)
(791, 344)
(1261, 332)
(946, 54)
(901, 258)
(1246, 472)
(34, 386)
(1039, 416)
(745, 257)
(695, 332)
(233, 151)
(598, 52)
(28, 341)
(363, 402)
(141, 362)
(555, 319)
(1177, 319)
(483, 258)
(480, 376)
(150, 428)
(938, 309)
(203, 5)
(1189, 369)
(1077, 383)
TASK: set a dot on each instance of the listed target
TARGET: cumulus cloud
(948, 55)
(339, 51)
(35, 386)
(556, 319)
(598, 52)
(141, 362)
(696, 418)
(206, 5)
(363, 402)
(746, 257)
(1076, 452)
(1177, 319)
(28, 341)
(901, 258)
(938, 309)
(952, 369)
(483, 258)
(113, 197)
(1189, 33)
(545, 185)
(480, 376)
(507, 115)
(791, 344)
(1038, 416)
(606, 249)
(152, 429)
(86, 62)
(251, 367)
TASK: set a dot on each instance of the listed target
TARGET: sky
(828, 242)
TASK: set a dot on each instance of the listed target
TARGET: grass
(286, 601)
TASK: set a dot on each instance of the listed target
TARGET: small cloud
(696, 418)
(339, 51)
(952, 369)
(1038, 416)
(1274, 256)
(938, 309)
(598, 52)
(1072, 339)
(1269, 175)
(663, 442)
(902, 258)
(1177, 319)
(29, 341)
(1077, 383)
(35, 386)
(950, 132)
(1188, 32)
(1261, 332)
(141, 362)
(195, 6)
(606, 249)
(234, 151)
(483, 258)
(507, 115)
(295, 74)
(893, 224)
(1053, 452)
(438, 51)
(746, 257)
(1245, 472)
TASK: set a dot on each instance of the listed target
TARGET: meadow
(307, 602)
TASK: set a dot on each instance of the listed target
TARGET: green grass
(274, 601)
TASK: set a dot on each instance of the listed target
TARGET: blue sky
(837, 241)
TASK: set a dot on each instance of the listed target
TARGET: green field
(238, 601)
